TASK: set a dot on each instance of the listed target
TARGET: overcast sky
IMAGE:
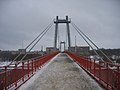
(23, 20)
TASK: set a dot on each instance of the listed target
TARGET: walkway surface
(61, 73)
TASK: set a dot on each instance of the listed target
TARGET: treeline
(9, 56)
(108, 52)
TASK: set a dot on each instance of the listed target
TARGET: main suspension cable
(36, 42)
(92, 43)
(31, 43)
(86, 40)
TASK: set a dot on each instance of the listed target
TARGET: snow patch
(4, 63)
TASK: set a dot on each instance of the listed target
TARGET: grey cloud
(24, 19)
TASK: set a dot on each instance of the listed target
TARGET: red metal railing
(12, 77)
(105, 73)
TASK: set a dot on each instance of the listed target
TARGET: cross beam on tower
(57, 21)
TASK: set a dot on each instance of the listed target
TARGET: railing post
(35, 65)
(118, 86)
(22, 71)
(90, 65)
(5, 80)
(39, 64)
(28, 68)
(32, 66)
(99, 71)
(87, 63)
(94, 67)
(107, 75)
(16, 75)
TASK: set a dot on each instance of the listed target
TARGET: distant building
(50, 50)
(14, 52)
(81, 50)
(36, 52)
(22, 51)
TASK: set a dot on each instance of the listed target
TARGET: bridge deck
(61, 73)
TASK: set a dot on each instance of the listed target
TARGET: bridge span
(61, 73)
(66, 71)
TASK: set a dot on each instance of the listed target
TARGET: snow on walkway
(61, 74)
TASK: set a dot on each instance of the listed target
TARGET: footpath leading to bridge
(61, 73)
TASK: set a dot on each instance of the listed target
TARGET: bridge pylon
(66, 21)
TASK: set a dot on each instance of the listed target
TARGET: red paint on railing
(15, 75)
(103, 72)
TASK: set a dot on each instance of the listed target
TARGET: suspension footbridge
(64, 70)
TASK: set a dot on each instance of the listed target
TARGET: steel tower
(58, 21)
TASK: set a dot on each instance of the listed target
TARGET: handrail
(100, 71)
(14, 77)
